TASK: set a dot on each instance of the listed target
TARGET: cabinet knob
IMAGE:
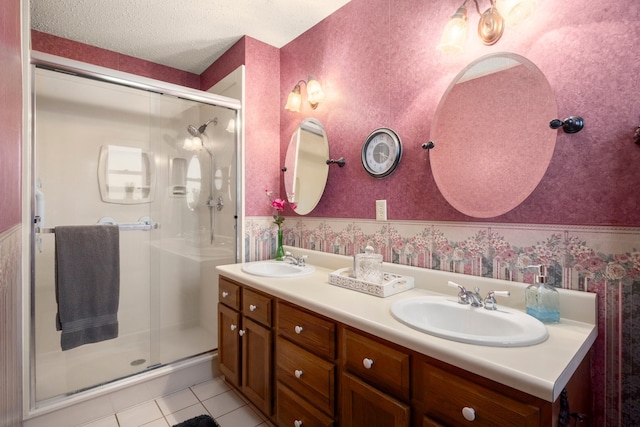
(368, 363)
(225, 294)
(233, 327)
(298, 373)
(298, 329)
(469, 414)
(297, 423)
(252, 307)
(241, 332)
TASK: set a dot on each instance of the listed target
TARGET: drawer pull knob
(368, 363)
(469, 414)
(225, 294)
(241, 332)
(233, 327)
(298, 373)
(297, 423)
(298, 329)
(252, 307)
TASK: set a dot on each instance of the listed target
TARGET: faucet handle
(463, 295)
(490, 300)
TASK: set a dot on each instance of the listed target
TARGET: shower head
(196, 132)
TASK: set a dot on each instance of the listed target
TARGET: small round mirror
(492, 138)
(306, 168)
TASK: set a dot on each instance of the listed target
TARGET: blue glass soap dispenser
(542, 301)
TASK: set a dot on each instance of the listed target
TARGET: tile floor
(212, 397)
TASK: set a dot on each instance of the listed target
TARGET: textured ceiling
(184, 34)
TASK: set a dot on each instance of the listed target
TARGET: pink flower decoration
(278, 204)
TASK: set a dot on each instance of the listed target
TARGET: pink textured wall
(262, 116)
(10, 114)
(378, 63)
(54, 45)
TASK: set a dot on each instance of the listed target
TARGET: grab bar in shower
(145, 223)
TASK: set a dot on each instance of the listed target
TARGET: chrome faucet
(299, 261)
(468, 297)
(474, 298)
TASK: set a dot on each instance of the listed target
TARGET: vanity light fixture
(315, 95)
(490, 26)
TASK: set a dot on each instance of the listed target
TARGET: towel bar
(145, 224)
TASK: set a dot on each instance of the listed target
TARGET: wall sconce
(490, 26)
(314, 95)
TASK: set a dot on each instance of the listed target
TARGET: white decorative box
(391, 283)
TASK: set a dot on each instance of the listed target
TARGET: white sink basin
(279, 269)
(443, 317)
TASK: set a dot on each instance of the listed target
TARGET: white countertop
(541, 370)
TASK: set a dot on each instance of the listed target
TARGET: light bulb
(314, 93)
(294, 100)
(455, 33)
(515, 11)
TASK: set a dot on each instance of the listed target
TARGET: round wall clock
(381, 152)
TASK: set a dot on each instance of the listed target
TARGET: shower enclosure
(108, 150)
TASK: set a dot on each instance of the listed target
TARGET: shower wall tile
(602, 260)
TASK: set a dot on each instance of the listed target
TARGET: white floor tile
(186, 413)
(139, 415)
(157, 423)
(241, 417)
(223, 404)
(109, 421)
(210, 388)
(177, 401)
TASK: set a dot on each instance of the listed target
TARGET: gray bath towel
(87, 283)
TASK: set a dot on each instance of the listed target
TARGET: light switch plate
(381, 210)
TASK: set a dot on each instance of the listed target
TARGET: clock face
(381, 152)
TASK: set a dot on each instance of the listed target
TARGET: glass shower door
(115, 154)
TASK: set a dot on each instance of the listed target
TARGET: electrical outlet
(381, 210)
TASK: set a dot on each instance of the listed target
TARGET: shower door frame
(80, 69)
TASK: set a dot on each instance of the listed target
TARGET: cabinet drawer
(256, 306)
(292, 411)
(229, 293)
(377, 363)
(316, 334)
(446, 394)
(306, 374)
(362, 405)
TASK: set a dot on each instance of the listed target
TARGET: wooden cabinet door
(363, 406)
(229, 343)
(257, 353)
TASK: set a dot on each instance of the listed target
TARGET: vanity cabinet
(245, 349)
(445, 398)
(374, 386)
(303, 369)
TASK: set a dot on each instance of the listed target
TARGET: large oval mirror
(493, 142)
(306, 168)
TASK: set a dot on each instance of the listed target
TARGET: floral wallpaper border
(602, 260)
